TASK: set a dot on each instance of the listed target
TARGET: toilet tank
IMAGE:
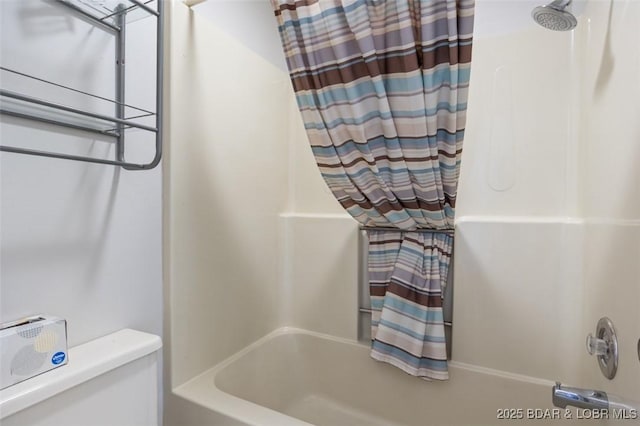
(111, 381)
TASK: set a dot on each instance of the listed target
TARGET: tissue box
(31, 346)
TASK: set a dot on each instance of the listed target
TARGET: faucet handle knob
(597, 346)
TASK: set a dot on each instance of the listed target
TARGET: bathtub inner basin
(295, 377)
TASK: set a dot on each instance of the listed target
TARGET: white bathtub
(297, 377)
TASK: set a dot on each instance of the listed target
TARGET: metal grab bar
(369, 310)
(420, 230)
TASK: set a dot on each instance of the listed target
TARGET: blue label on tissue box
(58, 358)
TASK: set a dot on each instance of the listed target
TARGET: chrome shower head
(553, 16)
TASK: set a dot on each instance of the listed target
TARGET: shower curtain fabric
(382, 88)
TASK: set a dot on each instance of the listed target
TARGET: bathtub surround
(382, 89)
(213, 265)
(577, 216)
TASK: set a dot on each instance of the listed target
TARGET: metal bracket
(121, 22)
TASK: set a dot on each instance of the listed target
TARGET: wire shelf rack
(110, 15)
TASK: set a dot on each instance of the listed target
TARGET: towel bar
(421, 230)
(368, 311)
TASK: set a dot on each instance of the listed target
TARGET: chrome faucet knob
(597, 346)
(604, 345)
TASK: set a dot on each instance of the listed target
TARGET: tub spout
(581, 398)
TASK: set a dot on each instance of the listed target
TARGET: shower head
(553, 16)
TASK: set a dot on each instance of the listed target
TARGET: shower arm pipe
(560, 4)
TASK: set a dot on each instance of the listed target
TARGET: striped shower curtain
(382, 87)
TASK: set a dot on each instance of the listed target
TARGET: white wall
(240, 173)
(227, 154)
(77, 240)
(240, 250)
(518, 297)
(226, 186)
(516, 152)
(320, 251)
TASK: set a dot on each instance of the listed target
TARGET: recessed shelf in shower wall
(38, 98)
